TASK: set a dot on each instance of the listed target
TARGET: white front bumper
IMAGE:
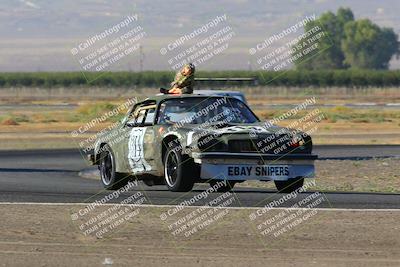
(254, 166)
(280, 172)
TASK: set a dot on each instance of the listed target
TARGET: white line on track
(194, 207)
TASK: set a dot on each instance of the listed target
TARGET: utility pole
(141, 58)
(249, 65)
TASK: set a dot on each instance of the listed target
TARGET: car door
(139, 144)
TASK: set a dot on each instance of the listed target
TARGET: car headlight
(297, 142)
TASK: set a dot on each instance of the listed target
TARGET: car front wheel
(177, 171)
(110, 179)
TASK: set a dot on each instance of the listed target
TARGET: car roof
(237, 94)
(210, 92)
(160, 97)
(199, 93)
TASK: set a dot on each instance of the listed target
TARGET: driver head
(188, 69)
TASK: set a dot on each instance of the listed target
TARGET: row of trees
(351, 43)
(301, 78)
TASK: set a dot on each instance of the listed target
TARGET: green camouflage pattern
(139, 149)
(185, 83)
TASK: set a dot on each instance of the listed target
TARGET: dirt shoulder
(46, 236)
(375, 175)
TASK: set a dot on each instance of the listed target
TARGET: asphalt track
(51, 176)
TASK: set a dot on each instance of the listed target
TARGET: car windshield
(198, 110)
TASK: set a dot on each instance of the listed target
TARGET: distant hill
(37, 35)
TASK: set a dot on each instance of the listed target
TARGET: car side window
(131, 117)
(149, 116)
(143, 116)
(136, 116)
(140, 116)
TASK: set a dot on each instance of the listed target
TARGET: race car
(179, 140)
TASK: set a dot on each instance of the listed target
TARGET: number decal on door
(136, 158)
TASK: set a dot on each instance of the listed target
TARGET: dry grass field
(41, 119)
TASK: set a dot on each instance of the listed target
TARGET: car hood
(247, 128)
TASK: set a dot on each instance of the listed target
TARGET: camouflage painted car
(182, 140)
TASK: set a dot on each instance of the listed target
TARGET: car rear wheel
(289, 185)
(177, 171)
(110, 179)
(225, 188)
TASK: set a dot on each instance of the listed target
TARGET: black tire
(110, 179)
(177, 173)
(222, 189)
(289, 185)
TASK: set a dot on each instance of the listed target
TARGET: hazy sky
(41, 35)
